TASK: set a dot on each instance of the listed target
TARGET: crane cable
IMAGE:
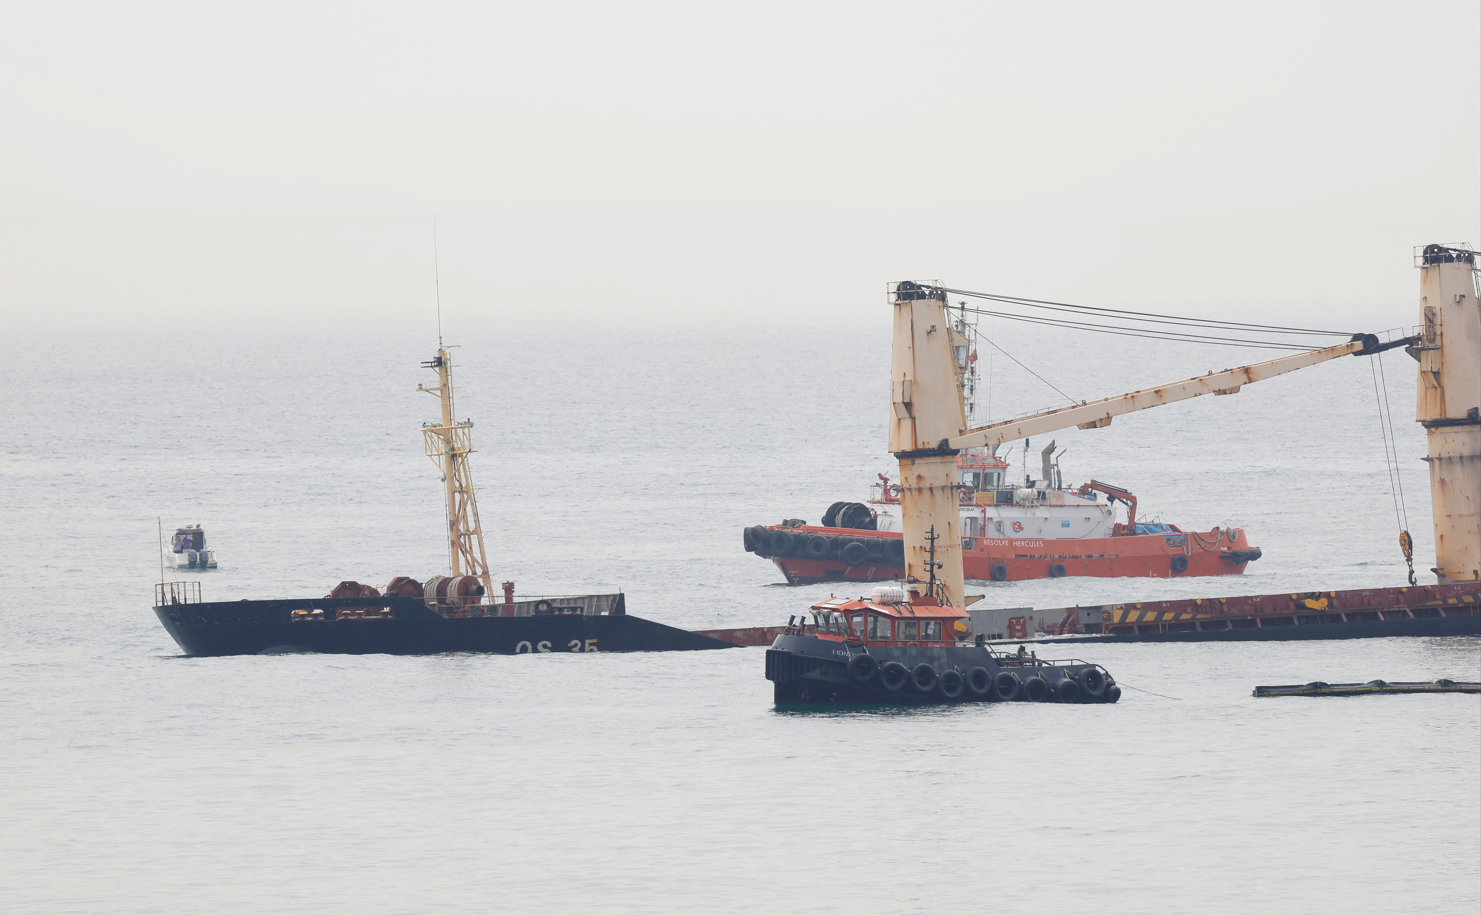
(978, 334)
(1391, 462)
(1150, 333)
(1148, 317)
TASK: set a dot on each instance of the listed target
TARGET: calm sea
(134, 780)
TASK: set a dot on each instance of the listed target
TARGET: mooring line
(1140, 690)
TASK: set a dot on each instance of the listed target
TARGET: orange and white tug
(1038, 529)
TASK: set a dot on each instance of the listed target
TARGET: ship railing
(176, 593)
(1012, 660)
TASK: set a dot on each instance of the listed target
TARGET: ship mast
(448, 444)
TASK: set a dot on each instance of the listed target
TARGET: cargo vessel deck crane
(928, 421)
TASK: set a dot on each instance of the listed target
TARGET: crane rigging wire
(1154, 317)
(1036, 375)
(1391, 462)
(1148, 333)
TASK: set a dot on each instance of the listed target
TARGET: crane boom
(1096, 414)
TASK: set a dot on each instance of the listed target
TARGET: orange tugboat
(1039, 530)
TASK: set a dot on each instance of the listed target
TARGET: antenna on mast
(437, 281)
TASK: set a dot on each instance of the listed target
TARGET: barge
(1422, 610)
(457, 612)
(396, 625)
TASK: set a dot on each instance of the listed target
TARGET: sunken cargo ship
(457, 612)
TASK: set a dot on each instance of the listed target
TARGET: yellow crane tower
(449, 443)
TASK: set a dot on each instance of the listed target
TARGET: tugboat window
(879, 628)
(858, 624)
(908, 630)
(930, 629)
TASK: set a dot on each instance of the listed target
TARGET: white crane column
(1449, 406)
(926, 412)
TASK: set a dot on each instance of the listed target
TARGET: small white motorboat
(187, 550)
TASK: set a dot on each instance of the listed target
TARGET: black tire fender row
(855, 551)
(1089, 685)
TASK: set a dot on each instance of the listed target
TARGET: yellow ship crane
(449, 443)
(928, 423)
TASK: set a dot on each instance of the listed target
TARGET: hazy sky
(275, 162)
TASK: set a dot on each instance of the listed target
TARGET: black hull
(257, 627)
(1468, 625)
(807, 669)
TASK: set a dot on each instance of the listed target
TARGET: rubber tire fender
(1092, 683)
(863, 668)
(855, 553)
(1066, 690)
(749, 536)
(979, 682)
(951, 684)
(894, 550)
(817, 546)
(543, 607)
(999, 572)
(923, 677)
(893, 675)
(1113, 693)
(781, 543)
(1056, 571)
(1005, 687)
(1179, 564)
(1036, 690)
